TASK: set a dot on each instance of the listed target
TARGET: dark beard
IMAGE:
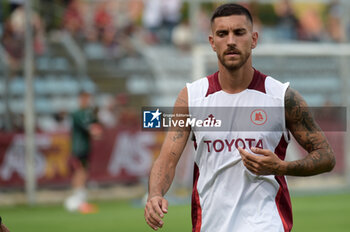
(233, 67)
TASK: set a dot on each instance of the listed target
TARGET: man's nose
(231, 40)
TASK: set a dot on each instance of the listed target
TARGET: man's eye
(221, 34)
(240, 32)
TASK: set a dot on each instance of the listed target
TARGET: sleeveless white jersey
(226, 196)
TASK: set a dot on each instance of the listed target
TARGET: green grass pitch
(311, 214)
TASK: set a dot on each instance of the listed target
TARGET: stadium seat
(94, 51)
(87, 85)
(139, 85)
(40, 86)
(68, 85)
(43, 63)
(17, 86)
(43, 105)
(17, 105)
(59, 64)
(52, 84)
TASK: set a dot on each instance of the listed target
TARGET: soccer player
(239, 182)
(84, 128)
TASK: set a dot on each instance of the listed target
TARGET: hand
(96, 131)
(155, 209)
(267, 164)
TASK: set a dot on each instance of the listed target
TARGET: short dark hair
(231, 9)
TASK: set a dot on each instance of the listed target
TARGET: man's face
(233, 39)
(85, 100)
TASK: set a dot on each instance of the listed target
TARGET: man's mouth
(232, 52)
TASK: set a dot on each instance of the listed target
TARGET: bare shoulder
(181, 105)
(182, 98)
(297, 112)
(294, 103)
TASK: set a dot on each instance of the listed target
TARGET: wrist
(283, 168)
(150, 196)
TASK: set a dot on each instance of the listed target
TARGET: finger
(155, 218)
(164, 205)
(157, 208)
(150, 224)
(251, 167)
(248, 156)
(257, 150)
(241, 150)
(152, 215)
(151, 221)
(154, 221)
(244, 152)
(156, 213)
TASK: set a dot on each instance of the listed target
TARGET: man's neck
(235, 81)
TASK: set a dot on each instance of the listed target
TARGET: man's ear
(255, 37)
(211, 41)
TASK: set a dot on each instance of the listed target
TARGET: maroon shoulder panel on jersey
(214, 84)
(258, 82)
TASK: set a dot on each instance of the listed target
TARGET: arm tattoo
(309, 135)
(173, 154)
(179, 134)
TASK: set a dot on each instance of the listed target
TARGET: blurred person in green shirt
(84, 128)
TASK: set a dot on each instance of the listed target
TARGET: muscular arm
(309, 135)
(163, 170)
